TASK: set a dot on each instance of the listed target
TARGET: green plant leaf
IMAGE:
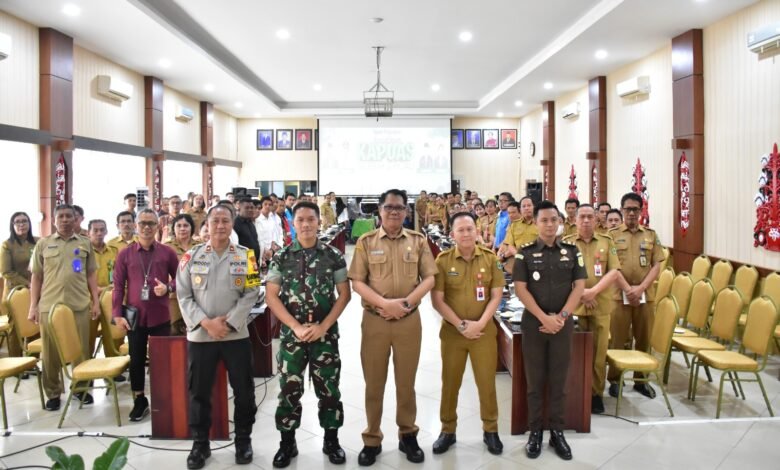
(115, 457)
(60, 458)
(76, 462)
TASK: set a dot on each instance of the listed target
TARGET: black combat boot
(244, 452)
(200, 449)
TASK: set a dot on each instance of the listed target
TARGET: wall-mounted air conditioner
(184, 114)
(571, 111)
(765, 39)
(5, 46)
(634, 86)
(112, 87)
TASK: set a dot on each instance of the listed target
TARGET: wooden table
(578, 384)
(261, 335)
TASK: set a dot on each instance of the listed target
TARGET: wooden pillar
(597, 139)
(207, 147)
(688, 115)
(56, 116)
(153, 138)
(548, 142)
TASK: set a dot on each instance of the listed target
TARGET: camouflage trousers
(324, 362)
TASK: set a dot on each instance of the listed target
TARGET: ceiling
(229, 52)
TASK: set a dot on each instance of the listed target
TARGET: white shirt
(269, 229)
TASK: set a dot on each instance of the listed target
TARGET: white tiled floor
(612, 444)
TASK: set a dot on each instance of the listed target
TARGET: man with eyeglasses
(146, 272)
(503, 219)
(392, 270)
(164, 227)
(640, 254)
(63, 271)
(125, 223)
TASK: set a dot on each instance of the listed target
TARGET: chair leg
(685, 356)
(707, 371)
(18, 381)
(734, 383)
(666, 367)
(760, 384)
(116, 400)
(739, 385)
(720, 395)
(67, 404)
(693, 364)
(666, 398)
(40, 387)
(694, 379)
(2, 398)
(620, 392)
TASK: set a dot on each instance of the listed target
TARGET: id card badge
(145, 292)
(480, 294)
(597, 270)
(643, 261)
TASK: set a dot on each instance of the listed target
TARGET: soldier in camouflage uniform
(302, 282)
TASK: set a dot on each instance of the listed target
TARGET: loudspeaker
(535, 190)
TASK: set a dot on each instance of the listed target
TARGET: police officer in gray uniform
(217, 285)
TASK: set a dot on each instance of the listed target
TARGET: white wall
(531, 130)
(19, 74)
(225, 130)
(571, 144)
(642, 128)
(18, 193)
(742, 122)
(225, 178)
(180, 136)
(182, 177)
(103, 118)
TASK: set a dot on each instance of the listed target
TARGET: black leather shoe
(645, 389)
(613, 390)
(494, 445)
(408, 445)
(285, 453)
(367, 456)
(52, 404)
(443, 443)
(534, 445)
(596, 405)
(120, 378)
(333, 450)
(85, 398)
(244, 452)
(198, 455)
(558, 442)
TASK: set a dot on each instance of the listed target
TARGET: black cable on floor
(28, 466)
(620, 417)
(37, 446)
(115, 436)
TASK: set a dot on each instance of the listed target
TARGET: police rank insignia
(198, 279)
(536, 275)
(580, 260)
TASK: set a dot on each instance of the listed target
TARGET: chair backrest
(702, 296)
(62, 327)
(19, 307)
(701, 268)
(664, 284)
(665, 262)
(772, 287)
(721, 274)
(725, 318)
(760, 327)
(681, 289)
(663, 328)
(745, 281)
(106, 309)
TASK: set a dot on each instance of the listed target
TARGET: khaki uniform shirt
(638, 252)
(15, 264)
(119, 244)
(421, 208)
(105, 259)
(520, 233)
(392, 267)
(173, 243)
(64, 265)
(198, 216)
(327, 215)
(459, 279)
(569, 228)
(437, 214)
(600, 250)
(601, 229)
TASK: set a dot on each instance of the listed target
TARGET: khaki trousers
(599, 326)
(627, 321)
(483, 352)
(52, 385)
(381, 337)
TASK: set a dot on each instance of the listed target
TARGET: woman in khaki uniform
(181, 242)
(15, 256)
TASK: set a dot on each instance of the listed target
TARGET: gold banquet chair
(14, 366)
(62, 327)
(18, 304)
(664, 284)
(650, 362)
(721, 275)
(761, 322)
(771, 289)
(701, 268)
(111, 335)
(681, 290)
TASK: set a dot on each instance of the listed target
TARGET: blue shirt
(289, 216)
(501, 224)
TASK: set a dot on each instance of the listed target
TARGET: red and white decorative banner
(639, 186)
(60, 181)
(573, 193)
(594, 197)
(767, 230)
(157, 199)
(210, 185)
(546, 182)
(685, 194)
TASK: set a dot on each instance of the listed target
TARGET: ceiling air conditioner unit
(114, 88)
(765, 39)
(571, 111)
(184, 114)
(5, 46)
(634, 86)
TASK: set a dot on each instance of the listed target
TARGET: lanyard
(145, 268)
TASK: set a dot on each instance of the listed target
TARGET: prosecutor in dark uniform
(549, 278)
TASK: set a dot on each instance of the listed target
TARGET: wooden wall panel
(548, 139)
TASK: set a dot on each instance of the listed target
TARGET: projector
(378, 106)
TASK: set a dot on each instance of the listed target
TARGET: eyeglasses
(632, 209)
(390, 208)
(147, 224)
(20, 222)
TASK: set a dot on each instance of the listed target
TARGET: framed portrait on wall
(457, 138)
(303, 139)
(284, 139)
(265, 139)
(508, 138)
(473, 139)
(490, 138)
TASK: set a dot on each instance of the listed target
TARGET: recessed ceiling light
(499, 114)
(164, 63)
(465, 36)
(376, 19)
(518, 103)
(317, 87)
(435, 87)
(548, 85)
(601, 54)
(239, 104)
(208, 87)
(71, 9)
(283, 34)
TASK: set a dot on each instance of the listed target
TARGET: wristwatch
(462, 326)
(565, 314)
